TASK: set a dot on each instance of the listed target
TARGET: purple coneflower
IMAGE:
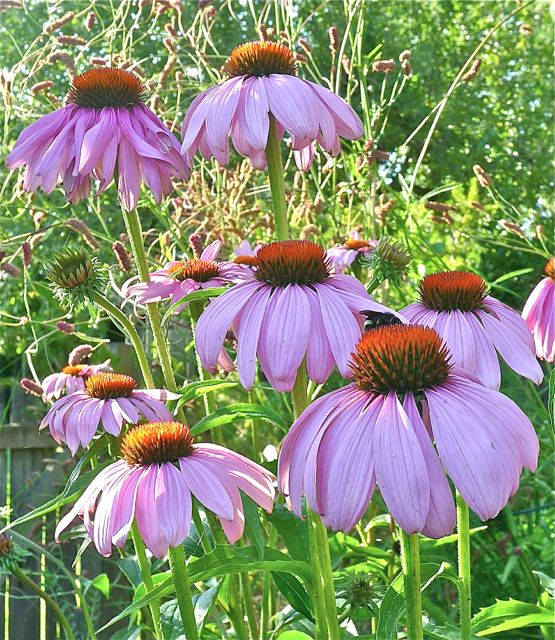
(343, 255)
(179, 278)
(105, 129)
(154, 483)
(289, 307)
(71, 378)
(474, 326)
(263, 82)
(539, 314)
(379, 431)
(110, 398)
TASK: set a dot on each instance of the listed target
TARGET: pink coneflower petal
(539, 314)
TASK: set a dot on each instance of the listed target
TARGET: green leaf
(547, 582)
(293, 530)
(506, 615)
(239, 411)
(100, 582)
(202, 387)
(511, 274)
(222, 560)
(447, 632)
(294, 635)
(253, 526)
(170, 616)
(200, 294)
(551, 400)
(294, 592)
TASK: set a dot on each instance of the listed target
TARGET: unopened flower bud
(512, 227)
(65, 327)
(80, 227)
(334, 39)
(404, 55)
(384, 66)
(80, 353)
(473, 71)
(74, 276)
(484, 178)
(72, 41)
(477, 205)
(50, 27)
(122, 256)
(196, 242)
(39, 87)
(308, 231)
(31, 387)
(304, 45)
(10, 269)
(439, 206)
(406, 68)
(90, 20)
(388, 261)
(26, 253)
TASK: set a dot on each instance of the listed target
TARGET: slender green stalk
(132, 334)
(325, 609)
(133, 226)
(182, 585)
(144, 566)
(50, 603)
(277, 182)
(463, 545)
(249, 606)
(410, 557)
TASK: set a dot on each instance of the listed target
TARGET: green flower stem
(131, 333)
(249, 605)
(277, 182)
(50, 603)
(325, 609)
(133, 226)
(144, 566)
(463, 544)
(182, 585)
(410, 557)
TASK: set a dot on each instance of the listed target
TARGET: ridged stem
(410, 558)
(463, 546)
(277, 182)
(325, 609)
(144, 566)
(182, 586)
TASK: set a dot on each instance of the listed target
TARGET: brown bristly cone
(384, 66)
(477, 205)
(473, 71)
(65, 327)
(512, 227)
(50, 27)
(406, 68)
(81, 228)
(304, 45)
(10, 269)
(308, 231)
(80, 353)
(484, 179)
(122, 256)
(6, 5)
(196, 242)
(26, 253)
(440, 207)
(404, 55)
(72, 41)
(45, 85)
(90, 21)
(31, 387)
(333, 34)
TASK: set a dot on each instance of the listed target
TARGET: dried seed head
(384, 66)
(122, 256)
(484, 179)
(39, 87)
(80, 353)
(333, 34)
(65, 327)
(31, 387)
(473, 71)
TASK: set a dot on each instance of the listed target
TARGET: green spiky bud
(10, 554)
(74, 276)
(389, 261)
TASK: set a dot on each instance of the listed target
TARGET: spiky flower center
(6, 544)
(106, 87)
(260, 59)
(197, 270)
(351, 243)
(73, 369)
(156, 443)
(400, 358)
(453, 290)
(550, 269)
(110, 385)
(251, 261)
(292, 262)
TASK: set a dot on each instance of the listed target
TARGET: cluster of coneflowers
(423, 403)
